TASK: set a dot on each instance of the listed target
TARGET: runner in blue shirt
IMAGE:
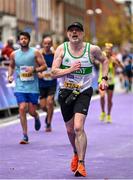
(26, 62)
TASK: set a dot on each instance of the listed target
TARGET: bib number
(71, 85)
(24, 75)
(47, 75)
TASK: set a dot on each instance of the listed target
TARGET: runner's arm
(56, 70)
(11, 68)
(40, 61)
(117, 63)
(98, 55)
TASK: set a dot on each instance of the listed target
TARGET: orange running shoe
(74, 163)
(80, 170)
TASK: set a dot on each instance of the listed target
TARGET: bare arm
(97, 54)
(11, 67)
(56, 70)
(117, 63)
(40, 61)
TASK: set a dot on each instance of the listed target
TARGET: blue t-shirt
(25, 82)
(47, 81)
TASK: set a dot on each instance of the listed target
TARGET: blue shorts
(27, 97)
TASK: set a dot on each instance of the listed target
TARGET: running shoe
(24, 140)
(48, 128)
(37, 124)
(102, 116)
(74, 163)
(80, 170)
(108, 119)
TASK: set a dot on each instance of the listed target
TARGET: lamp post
(92, 13)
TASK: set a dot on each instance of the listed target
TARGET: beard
(24, 45)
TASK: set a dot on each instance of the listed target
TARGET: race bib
(47, 75)
(71, 85)
(24, 75)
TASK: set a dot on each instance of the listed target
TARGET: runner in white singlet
(73, 62)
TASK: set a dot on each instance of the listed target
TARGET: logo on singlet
(66, 60)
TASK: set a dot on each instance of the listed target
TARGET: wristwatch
(105, 78)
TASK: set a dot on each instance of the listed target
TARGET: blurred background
(103, 20)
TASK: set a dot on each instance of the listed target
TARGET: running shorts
(27, 97)
(80, 105)
(47, 91)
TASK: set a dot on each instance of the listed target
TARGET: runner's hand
(103, 85)
(30, 69)
(40, 75)
(76, 66)
(10, 79)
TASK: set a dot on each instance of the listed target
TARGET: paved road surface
(109, 153)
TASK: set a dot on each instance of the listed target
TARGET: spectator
(7, 50)
(128, 73)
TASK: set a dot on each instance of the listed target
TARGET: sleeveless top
(25, 82)
(81, 79)
(111, 72)
(47, 81)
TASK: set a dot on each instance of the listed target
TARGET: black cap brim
(77, 25)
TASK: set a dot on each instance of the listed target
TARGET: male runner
(73, 62)
(47, 84)
(26, 62)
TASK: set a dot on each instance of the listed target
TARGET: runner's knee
(22, 109)
(70, 130)
(78, 130)
(32, 112)
(50, 103)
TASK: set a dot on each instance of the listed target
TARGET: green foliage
(115, 30)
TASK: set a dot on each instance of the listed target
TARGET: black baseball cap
(76, 24)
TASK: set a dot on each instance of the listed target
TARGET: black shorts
(111, 87)
(80, 105)
(47, 91)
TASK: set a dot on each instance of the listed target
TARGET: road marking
(17, 120)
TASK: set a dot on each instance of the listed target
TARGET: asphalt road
(109, 152)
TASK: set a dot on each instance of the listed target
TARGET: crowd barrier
(7, 98)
